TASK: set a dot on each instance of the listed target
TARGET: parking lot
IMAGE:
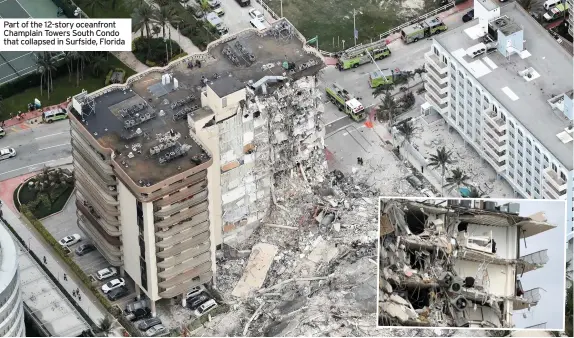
(65, 224)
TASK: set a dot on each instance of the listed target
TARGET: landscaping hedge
(67, 6)
(77, 270)
(28, 81)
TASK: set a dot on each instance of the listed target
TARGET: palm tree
(569, 270)
(383, 89)
(98, 63)
(69, 59)
(81, 59)
(408, 131)
(45, 65)
(163, 17)
(388, 109)
(95, 4)
(457, 179)
(105, 325)
(143, 18)
(440, 160)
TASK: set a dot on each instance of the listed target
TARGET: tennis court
(16, 64)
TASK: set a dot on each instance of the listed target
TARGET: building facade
(11, 303)
(490, 83)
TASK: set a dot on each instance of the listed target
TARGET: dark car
(194, 302)
(84, 249)
(468, 16)
(141, 313)
(118, 293)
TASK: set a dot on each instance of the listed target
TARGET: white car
(158, 330)
(255, 14)
(106, 273)
(194, 291)
(7, 153)
(113, 284)
(70, 240)
(205, 307)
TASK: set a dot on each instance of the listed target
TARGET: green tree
(388, 109)
(92, 5)
(105, 325)
(407, 130)
(440, 160)
(143, 19)
(46, 66)
(98, 63)
(383, 89)
(457, 179)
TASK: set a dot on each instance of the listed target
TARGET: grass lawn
(332, 20)
(63, 88)
(27, 195)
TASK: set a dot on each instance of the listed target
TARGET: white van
(256, 23)
(551, 3)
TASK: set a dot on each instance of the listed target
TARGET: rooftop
(232, 65)
(526, 100)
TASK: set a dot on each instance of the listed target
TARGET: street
(39, 145)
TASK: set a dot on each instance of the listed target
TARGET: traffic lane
(29, 159)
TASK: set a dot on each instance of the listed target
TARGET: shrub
(109, 77)
(178, 56)
(154, 50)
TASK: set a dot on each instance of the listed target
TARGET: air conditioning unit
(460, 303)
(456, 286)
(445, 279)
(490, 206)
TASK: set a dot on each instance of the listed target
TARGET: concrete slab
(260, 261)
(323, 252)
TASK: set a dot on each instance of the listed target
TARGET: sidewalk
(34, 116)
(36, 244)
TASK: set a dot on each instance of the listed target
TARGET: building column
(138, 292)
(152, 308)
(122, 271)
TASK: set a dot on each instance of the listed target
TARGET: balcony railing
(182, 215)
(554, 179)
(499, 155)
(549, 192)
(196, 220)
(189, 282)
(493, 142)
(441, 87)
(442, 95)
(440, 107)
(435, 62)
(497, 122)
(499, 166)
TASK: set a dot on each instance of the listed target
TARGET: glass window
(453, 76)
(453, 87)
(545, 158)
(511, 124)
(520, 132)
(528, 141)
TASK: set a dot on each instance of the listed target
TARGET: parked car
(219, 11)
(255, 14)
(155, 331)
(2, 132)
(113, 284)
(70, 240)
(199, 14)
(468, 16)
(195, 302)
(106, 273)
(7, 153)
(84, 249)
(139, 304)
(148, 323)
(118, 293)
(415, 182)
(205, 308)
(138, 314)
(194, 291)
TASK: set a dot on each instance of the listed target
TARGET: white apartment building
(11, 303)
(505, 85)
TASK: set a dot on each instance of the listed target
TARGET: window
(469, 103)
(519, 163)
(528, 151)
(537, 190)
(536, 149)
(536, 179)
(554, 167)
(520, 132)
(520, 153)
(460, 104)
(528, 182)
(453, 96)
(519, 172)
(486, 101)
(528, 172)
(511, 165)
(520, 143)
(452, 66)
(511, 134)
(477, 102)
(537, 170)
(477, 120)
(511, 174)
(528, 192)
(461, 114)
(545, 158)
(477, 131)
(435, 51)
(469, 92)
(477, 110)
(528, 161)
(469, 122)
(453, 76)
(224, 102)
(511, 124)
(453, 87)
(461, 95)
(511, 155)
(503, 117)
(563, 176)
(468, 83)
(528, 141)
(460, 75)
(460, 124)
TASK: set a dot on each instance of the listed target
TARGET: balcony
(492, 158)
(440, 97)
(440, 88)
(549, 192)
(192, 200)
(185, 250)
(194, 233)
(181, 216)
(555, 180)
(111, 230)
(103, 178)
(106, 196)
(186, 266)
(531, 262)
(197, 220)
(111, 253)
(185, 285)
(433, 60)
(497, 123)
(440, 107)
(493, 142)
(199, 178)
(497, 155)
(96, 208)
(90, 154)
(528, 300)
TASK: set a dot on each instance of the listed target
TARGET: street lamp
(281, 8)
(355, 33)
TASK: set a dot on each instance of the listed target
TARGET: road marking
(57, 145)
(63, 132)
(31, 165)
(339, 119)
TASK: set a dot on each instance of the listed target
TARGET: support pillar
(152, 308)
(138, 292)
(122, 271)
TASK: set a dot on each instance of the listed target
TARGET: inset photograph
(472, 263)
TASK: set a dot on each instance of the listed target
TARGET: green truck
(556, 12)
(346, 102)
(382, 77)
(359, 55)
(423, 29)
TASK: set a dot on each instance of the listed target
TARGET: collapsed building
(455, 263)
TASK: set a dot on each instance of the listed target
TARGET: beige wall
(501, 276)
(130, 232)
(150, 257)
(215, 103)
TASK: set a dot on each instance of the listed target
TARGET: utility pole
(281, 8)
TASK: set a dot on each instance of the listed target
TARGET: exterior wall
(150, 251)
(225, 106)
(476, 115)
(500, 277)
(11, 304)
(130, 234)
(505, 237)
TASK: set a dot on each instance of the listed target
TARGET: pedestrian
(78, 291)
(45, 260)
(79, 297)
(74, 293)
(65, 277)
(358, 160)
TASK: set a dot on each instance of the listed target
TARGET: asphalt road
(35, 147)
